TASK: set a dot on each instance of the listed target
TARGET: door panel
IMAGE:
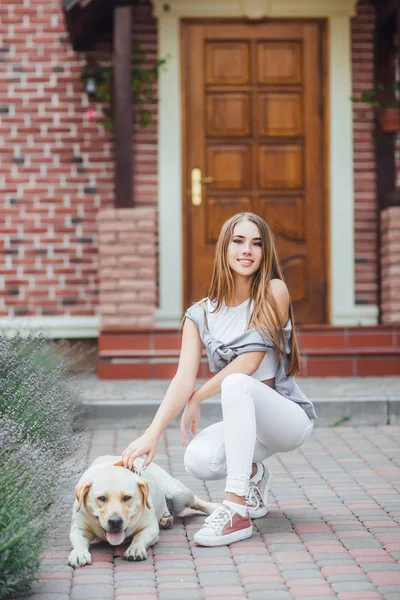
(253, 98)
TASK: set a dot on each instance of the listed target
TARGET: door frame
(338, 140)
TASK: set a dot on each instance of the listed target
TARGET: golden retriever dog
(114, 503)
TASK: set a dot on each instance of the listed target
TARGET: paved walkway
(332, 530)
(314, 387)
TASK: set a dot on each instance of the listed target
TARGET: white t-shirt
(231, 321)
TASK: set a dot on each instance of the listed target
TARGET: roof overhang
(87, 21)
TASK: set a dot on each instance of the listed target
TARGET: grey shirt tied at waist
(220, 354)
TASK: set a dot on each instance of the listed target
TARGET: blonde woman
(246, 326)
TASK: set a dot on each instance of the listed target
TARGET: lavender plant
(40, 415)
(36, 392)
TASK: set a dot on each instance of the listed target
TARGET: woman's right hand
(145, 444)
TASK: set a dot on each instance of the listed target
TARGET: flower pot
(389, 119)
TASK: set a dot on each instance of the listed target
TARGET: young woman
(246, 325)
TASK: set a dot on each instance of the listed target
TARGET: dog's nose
(115, 523)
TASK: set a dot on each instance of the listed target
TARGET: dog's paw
(79, 559)
(166, 521)
(136, 552)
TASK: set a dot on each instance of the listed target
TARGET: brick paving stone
(216, 568)
(251, 558)
(285, 547)
(255, 569)
(178, 594)
(92, 592)
(139, 589)
(377, 566)
(261, 579)
(341, 570)
(304, 581)
(302, 591)
(213, 578)
(353, 543)
(260, 550)
(385, 578)
(263, 595)
(198, 551)
(389, 589)
(266, 586)
(54, 575)
(133, 566)
(326, 560)
(45, 586)
(338, 578)
(173, 585)
(289, 574)
(163, 572)
(136, 596)
(293, 557)
(361, 595)
(59, 568)
(92, 579)
(214, 560)
(177, 578)
(224, 591)
(50, 596)
(347, 586)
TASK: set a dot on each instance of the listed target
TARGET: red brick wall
(56, 166)
(390, 265)
(366, 225)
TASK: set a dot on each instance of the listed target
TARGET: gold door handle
(197, 181)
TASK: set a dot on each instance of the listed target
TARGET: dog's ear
(81, 492)
(118, 464)
(144, 490)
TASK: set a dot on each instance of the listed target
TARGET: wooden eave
(385, 10)
(87, 21)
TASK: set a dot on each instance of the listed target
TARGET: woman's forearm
(241, 364)
(176, 396)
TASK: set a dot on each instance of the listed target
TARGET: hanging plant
(98, 82)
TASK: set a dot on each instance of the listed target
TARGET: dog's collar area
(135, 470)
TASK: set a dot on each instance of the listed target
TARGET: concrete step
(354, 412)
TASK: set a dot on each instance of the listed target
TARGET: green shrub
(40, 416)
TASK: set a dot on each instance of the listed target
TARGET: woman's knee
(202, 461)
(234, 381)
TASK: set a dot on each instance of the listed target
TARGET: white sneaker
(257, 495)
(224, 526)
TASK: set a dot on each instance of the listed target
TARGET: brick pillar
(127, 267)
(390, 264)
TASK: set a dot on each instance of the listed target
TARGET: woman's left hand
(190, 419)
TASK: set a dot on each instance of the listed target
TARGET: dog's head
(114, 496)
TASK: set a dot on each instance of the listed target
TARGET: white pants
(257, 423)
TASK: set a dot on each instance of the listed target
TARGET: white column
(170, 176)
(343, 308)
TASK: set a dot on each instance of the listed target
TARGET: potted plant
(386, 104)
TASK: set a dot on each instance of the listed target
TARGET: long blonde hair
(265, 313)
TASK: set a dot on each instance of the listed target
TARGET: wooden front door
(253, 125)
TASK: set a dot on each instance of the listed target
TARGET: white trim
(169, 173)
(255, 9)
(360, 315)
(338, 12)
(341, 215)
(51, 327)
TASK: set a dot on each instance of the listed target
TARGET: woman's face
(244, 250)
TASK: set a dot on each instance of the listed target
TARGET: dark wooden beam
(385, 9)
(87, 23)
(122, 105)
